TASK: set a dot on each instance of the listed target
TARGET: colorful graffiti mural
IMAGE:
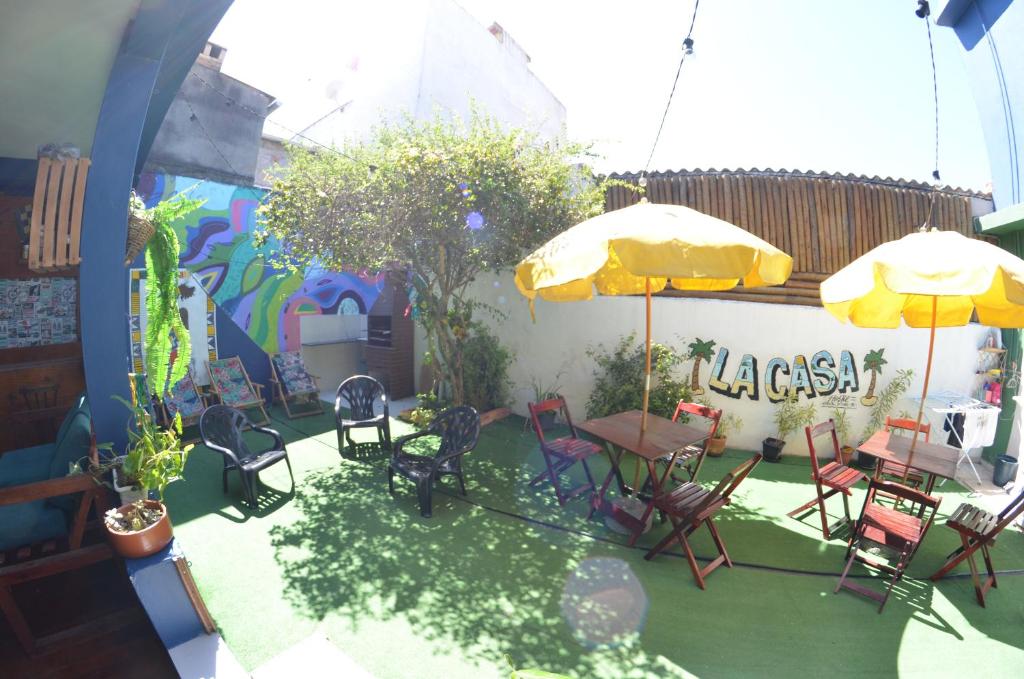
(262, 299)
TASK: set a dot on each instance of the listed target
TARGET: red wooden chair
(562, 453)
(692, 457)
(690, 505)
(895, 470)
(978, 530)
(890, 528)
(835, 476)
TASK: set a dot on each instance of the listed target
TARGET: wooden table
(621, 434)
(931, 458)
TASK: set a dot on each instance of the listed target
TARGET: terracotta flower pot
(716, 446)
(145, 542)
(845, 453)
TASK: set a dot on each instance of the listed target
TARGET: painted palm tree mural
(699, 351)
(873, 362)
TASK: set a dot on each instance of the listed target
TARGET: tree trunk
(869, 398)
(695, 387)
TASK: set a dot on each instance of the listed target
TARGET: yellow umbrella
(639, 249)
(929, 279)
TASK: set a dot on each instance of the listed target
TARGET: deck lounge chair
(294, 387)
(233, 387)
(184, 399)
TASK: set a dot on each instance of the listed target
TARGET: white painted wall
(558, 341)
(410, 57)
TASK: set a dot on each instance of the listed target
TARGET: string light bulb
(688, 47)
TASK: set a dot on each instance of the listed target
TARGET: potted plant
(841, 419)
(728, 424)
(882, 407)
(542, 391)
(155, 457)
(789, 416)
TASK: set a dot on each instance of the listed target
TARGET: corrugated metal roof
(810, 174)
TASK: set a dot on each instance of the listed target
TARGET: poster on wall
(36, 312)
(197, 311)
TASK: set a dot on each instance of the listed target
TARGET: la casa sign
(822, 376)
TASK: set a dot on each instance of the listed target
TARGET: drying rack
(955, 403)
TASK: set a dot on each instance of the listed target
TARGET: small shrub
(485, 364)
(791, 416)
(620, 379)
(887, 399)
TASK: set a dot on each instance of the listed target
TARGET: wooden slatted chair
(692, 457)
(688, 506)
(294, 387)
(978, 530)
(834, 475)
(562, 453)
(887, 527)
(233, 387)
(895, 470)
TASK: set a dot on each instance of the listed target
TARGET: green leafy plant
(163, 318)
(729, 424)
(485, 364)
(886, 401)
(619, 384)
(543, 390)
(444, 198)
(841, 418)
(429, 405)
(790, 416)
(155, 455)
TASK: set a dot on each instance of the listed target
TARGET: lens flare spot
(604, 603)
(474, 221)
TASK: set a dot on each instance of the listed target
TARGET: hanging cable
(923, 11)
(687, 50)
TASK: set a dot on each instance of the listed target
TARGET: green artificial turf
(506, 571)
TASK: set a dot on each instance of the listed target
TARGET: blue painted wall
(992, 34)
(161, 43)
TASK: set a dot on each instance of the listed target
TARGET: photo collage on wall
(38, 311)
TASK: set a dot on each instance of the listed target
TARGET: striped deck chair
(233, 387)
(294, 387)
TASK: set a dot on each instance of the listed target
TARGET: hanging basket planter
(140, 230)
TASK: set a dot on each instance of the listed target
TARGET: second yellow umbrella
(929, 279)
(639, 250)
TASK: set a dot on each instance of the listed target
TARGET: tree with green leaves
(443, 200)
(699, 351)
(873, 363)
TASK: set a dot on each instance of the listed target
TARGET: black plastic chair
(221, 427)
(360, 392)
(459, 429)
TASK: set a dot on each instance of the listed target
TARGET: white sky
(818, 85)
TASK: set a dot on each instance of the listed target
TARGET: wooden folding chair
(233, 387)
(692, 457)
(895, 470)
(835, 476)
(689, 505)
(294, 386)
(562, 453)
(184, 398)
(978, 530)
(890, 528)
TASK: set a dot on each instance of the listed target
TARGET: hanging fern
(163, 319)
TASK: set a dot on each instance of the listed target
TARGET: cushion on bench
(30, 522)
(26, 465)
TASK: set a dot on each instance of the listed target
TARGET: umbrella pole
(647, 366)
(924, 392)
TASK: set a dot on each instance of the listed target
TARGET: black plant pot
(865, 461)
(771, 448)
(547, 420)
